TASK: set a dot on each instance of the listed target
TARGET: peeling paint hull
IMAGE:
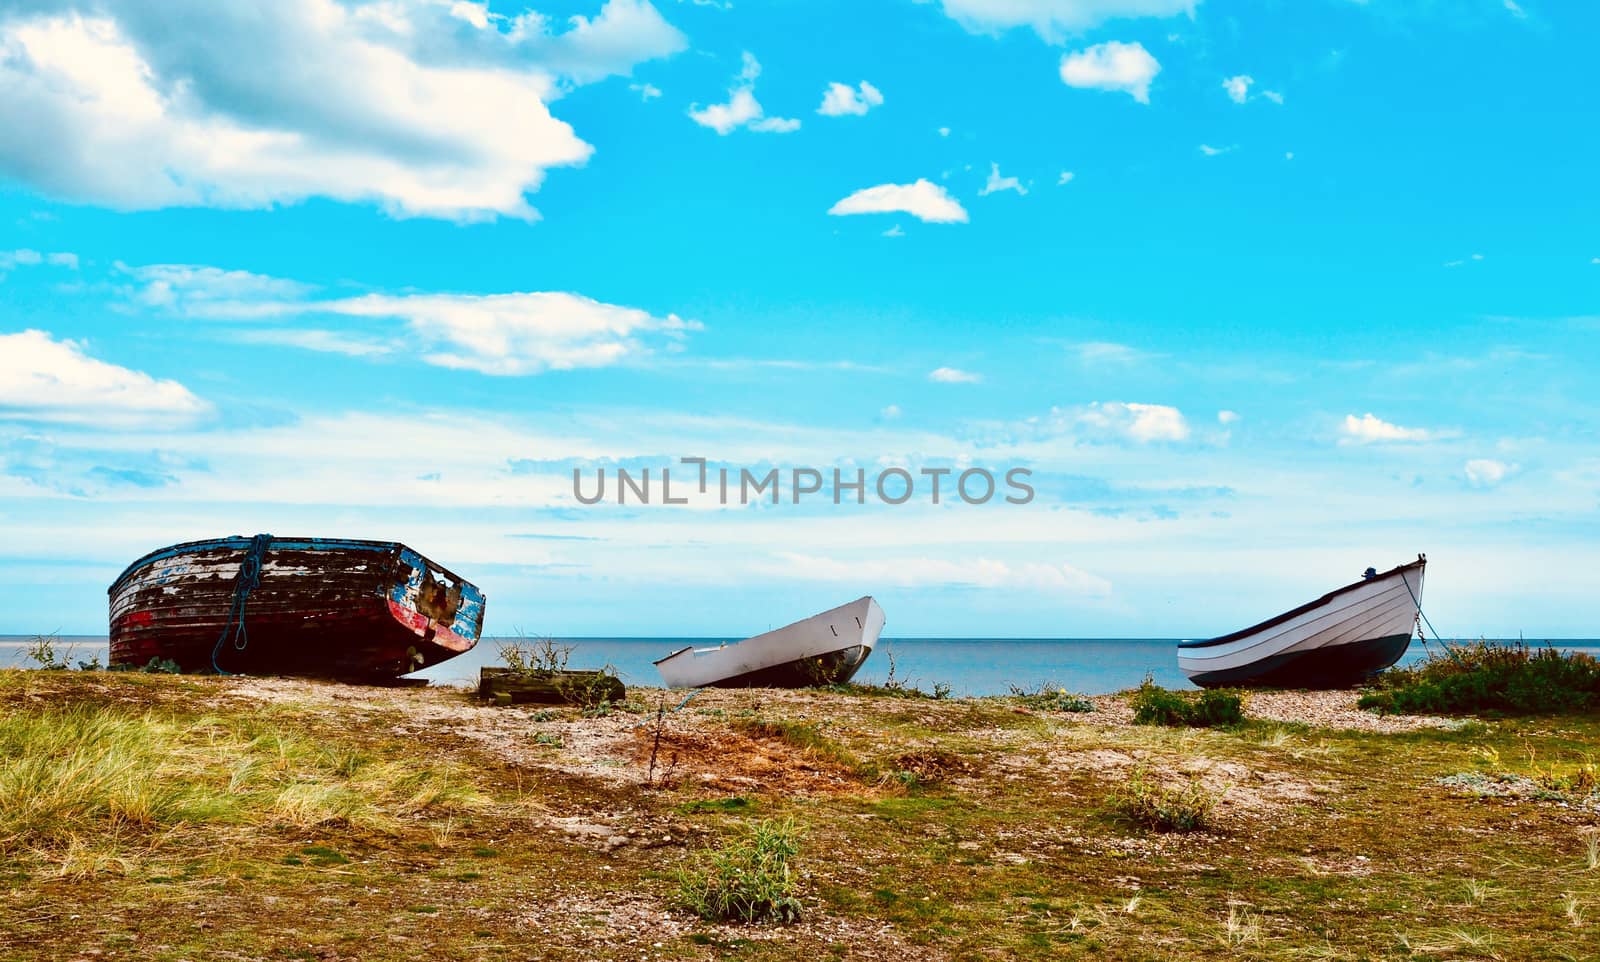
(325, 607)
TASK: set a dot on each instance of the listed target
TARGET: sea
(969, 666)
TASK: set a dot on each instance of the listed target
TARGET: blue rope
(248, 579)
(675, 710)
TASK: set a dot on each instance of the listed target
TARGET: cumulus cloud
(924, 200)
(996, 183)
(841, 100)
(1136, 422)
(1211, 151)
(421, 108)
(502, 334)
(953, 375)
(742, 108)
(1066, 178)
(1371, 429)
(1238, 90)
(45, 379)
(1116, 66)
(1227, 417)
(1054, 20)
(1486, 472)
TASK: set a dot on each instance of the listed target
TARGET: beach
(387, 823)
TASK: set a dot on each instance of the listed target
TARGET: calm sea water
(970, 666)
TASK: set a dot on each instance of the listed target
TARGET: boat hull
(326, 607)
(825, 649)
(1340, 640)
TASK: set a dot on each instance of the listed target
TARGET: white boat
(824, 649)
(1341, 639)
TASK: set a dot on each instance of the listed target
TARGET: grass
(1053, 699)
(1149, 804)
(748, 880)
(1517, 679)
(469, 841)
(80, 773)
(1211, 708)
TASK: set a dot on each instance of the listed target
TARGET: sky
(1261, 293)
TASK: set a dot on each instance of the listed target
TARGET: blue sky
(1261, 292)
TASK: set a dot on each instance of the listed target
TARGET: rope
(1422, 619)
(674, 710)
(248, 579)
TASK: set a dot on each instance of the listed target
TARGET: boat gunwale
(1312, 605)
(243, 541)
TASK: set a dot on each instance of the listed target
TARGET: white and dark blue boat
(825, 649)
(1341, 639)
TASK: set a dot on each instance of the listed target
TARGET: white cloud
(503, 334)
(1211, 151)
(1465, 260)
(43, 379)
(510, 334)
(23, 257)
(944, 131)
(997, 183)
(319, 340)
(952, 375)
(1486, 473)
(1515, 9)
(1053, 20)
(742, 108)
(1106, 352)
(421, 108)
(1238, 87)
(891, 412)
(1117, 66)
(1137, 422)
(921, 571)
(924, 200)
(840, 100)
(1227, 417)
(646, 91)
(895, 231)
(1066, 178)
(1273, 96)
(1370, 429)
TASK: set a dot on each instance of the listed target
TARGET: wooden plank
(549, 687)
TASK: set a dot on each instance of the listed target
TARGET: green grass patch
(748, 880)
(117, 775)
(1517, 679)
(1149, 804)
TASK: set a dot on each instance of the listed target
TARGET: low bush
(1211, 708)
(1149, 804)
(1514, 679)
(748, 880)
(1047, 698)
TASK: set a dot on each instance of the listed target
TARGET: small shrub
(1047, 698)
(1515, 679)
(42, 652)
(1212, 708)
(1149, 804)
(748, 880)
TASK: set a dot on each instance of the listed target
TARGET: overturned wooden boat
(292, 606)
(1341, 639)
(825, 649)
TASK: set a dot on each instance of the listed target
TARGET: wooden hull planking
(321, 607)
